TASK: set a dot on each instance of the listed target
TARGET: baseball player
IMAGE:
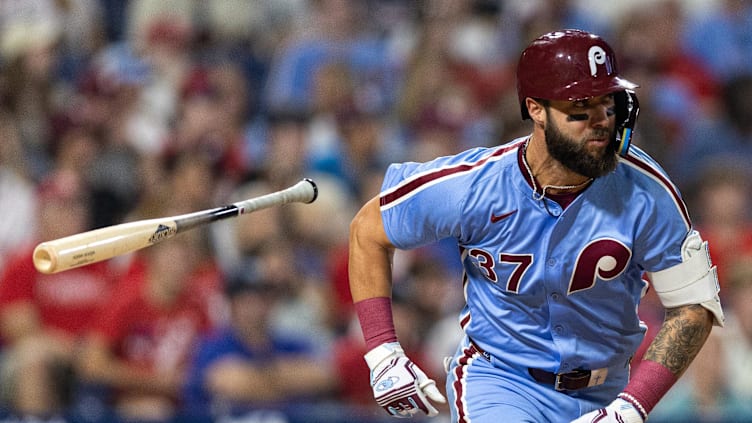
(555, 231)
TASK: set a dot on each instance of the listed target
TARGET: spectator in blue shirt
(244, 367)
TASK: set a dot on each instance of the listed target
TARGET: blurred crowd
(119, 110)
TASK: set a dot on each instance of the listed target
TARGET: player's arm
(689, 292)
(399, 386)
(683, 332)
(371, 255)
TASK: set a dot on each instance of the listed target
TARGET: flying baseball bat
(104, 243)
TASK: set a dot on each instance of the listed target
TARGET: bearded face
(577, 155)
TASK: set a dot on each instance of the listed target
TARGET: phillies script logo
(598, 56)
(162, 232)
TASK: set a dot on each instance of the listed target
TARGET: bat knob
(315, 190)
(43, 260)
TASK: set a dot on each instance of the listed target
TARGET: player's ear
(537, 110)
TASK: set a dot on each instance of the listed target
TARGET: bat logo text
(162, 232)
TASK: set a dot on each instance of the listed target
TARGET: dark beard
(575, 157)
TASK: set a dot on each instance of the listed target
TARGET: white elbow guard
(693, 281)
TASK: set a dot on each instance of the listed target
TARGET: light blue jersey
(545, 288)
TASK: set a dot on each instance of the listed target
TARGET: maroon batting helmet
(574, 65)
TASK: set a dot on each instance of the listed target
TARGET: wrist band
(376, 321)
(648, 385)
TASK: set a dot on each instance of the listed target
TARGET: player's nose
(599, 115)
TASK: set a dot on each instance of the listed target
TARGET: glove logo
(387, 383)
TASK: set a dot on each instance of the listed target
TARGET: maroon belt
(570, 381)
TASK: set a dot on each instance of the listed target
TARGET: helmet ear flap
(627, 109)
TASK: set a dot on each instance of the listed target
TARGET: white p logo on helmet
(596, 56)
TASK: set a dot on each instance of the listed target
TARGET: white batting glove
(399, 386)
(619, 411)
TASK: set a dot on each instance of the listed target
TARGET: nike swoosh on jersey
(498, 217)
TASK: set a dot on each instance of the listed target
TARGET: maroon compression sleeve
(376, 321)
(647, 386)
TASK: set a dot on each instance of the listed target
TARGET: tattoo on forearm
(683, 333)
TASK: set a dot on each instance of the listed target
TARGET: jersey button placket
(553, 208)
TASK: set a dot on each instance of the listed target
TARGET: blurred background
(117, 110)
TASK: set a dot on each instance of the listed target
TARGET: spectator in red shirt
(721, 201)
(139, 346)
(43, 316)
